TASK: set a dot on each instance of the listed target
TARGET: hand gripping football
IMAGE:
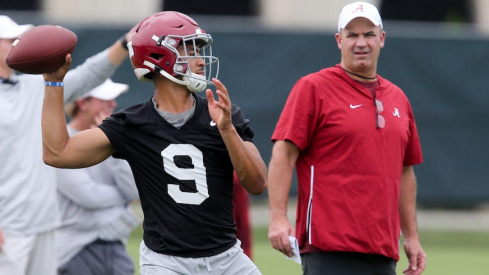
(42, 49)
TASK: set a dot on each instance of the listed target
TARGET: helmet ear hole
(156, 56)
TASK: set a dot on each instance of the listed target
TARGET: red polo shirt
(348, 170)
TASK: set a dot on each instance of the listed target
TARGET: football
(41, 49)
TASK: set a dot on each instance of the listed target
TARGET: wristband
(55, 84)
(124, 42)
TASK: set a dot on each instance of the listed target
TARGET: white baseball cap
(359, 9)
(9, 29)
(108, 90)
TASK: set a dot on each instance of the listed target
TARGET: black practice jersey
(184, 177)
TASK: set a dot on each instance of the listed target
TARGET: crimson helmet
(153, 50)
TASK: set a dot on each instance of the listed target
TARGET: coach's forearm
(407, 203)
(284, 156)
(117, 53)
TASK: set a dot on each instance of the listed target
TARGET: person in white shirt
(96, 219)
(28, 210)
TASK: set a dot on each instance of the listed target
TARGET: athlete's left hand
(416, 257)
(220, 110)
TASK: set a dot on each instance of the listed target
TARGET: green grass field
(448, 253)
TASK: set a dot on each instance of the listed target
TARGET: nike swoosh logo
(355, 106)
(212, 123)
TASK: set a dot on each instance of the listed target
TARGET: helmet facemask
(201, 44)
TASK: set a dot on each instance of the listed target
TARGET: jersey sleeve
(113, 127)
(242, 124)
(298, 118)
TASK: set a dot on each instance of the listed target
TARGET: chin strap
(194, 82)
(197, 82)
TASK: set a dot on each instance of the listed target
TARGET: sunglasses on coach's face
(378, 109)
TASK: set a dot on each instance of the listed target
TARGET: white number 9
(197, 173)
